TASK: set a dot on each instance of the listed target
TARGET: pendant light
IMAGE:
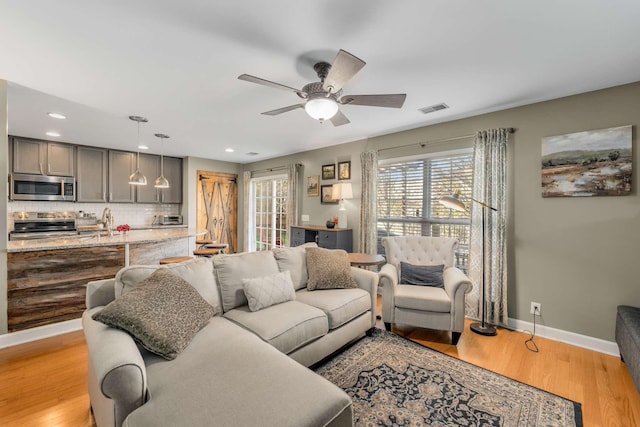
(161, 181)
(138, 178)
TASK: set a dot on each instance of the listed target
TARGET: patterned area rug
(393, 381)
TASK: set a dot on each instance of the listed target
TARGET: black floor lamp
(454, 202)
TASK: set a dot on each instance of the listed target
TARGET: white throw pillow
(263, 292)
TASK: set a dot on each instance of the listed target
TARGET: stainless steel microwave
(40, 187)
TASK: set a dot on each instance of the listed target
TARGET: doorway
(217, 207)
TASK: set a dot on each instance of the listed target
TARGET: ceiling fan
(321, 98)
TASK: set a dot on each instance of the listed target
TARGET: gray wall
(575, 256)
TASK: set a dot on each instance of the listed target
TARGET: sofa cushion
(285, 326)
(294, 260)
(329, 269)
(421, 275)
(162, 313)
(244, 382)
(199, 273)
(230, 269)
(425, 298)
(263, 292)
(340, 305)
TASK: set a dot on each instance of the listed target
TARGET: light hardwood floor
(44, 383)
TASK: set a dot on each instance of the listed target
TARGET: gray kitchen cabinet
(121, 165)
(150, 167)
(173, 173)
(43, 158)
(329, 238)
(91, 181)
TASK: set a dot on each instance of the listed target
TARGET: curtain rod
(275, 168)
(424, 144)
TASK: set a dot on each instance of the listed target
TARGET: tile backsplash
(134, 214)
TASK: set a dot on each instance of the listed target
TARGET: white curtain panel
(490, 187)
(368, 202)
(292, 194)
(246, 179)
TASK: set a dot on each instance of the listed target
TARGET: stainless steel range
(43, 225)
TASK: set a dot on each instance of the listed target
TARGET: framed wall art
(591, 163)
(344, 170)
(313, 186)
(326, 198)
(328, 172)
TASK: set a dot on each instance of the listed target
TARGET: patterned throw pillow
(263, 292)
(329, 269)
(421, 275)
(162, 313)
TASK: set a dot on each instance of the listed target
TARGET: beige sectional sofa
(243, 368)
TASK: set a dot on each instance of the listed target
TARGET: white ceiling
(177, 64)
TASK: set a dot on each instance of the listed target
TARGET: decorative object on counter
(331, 224)
(344, 170)
(340, 192)
(123, 228)
(313, 186)
(328, 172)
(161, 181)
(138, 178)
(326, 195)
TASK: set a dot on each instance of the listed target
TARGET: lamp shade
(321, 107)
(137, 178)
(342, 190)
(453, 202)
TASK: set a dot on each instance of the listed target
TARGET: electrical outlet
(305, 218)
(536, 308)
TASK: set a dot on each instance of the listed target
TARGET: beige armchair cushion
(420, 250)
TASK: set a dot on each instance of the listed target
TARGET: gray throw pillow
(329, 269)
(421, 275)
(263, 292)
(162, 313)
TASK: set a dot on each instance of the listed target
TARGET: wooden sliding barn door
(217, 207)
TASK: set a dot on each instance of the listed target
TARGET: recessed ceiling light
(54, 134)
(229, 150)
(143, 147)
(57, 116)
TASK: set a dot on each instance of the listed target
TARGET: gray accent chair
(423, 306)
(628, 339)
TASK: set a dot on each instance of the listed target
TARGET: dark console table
(329, 238)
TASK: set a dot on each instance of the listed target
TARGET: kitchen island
(46, 278)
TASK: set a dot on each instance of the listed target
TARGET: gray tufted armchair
(423, 306)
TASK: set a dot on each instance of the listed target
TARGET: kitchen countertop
(147, 235)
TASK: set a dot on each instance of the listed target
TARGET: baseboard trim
(39, 332)
(584, 341)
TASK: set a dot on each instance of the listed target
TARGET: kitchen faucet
(107, 219)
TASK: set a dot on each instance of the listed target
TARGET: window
(408, 194)
(268, 213)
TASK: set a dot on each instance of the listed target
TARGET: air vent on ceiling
(433, 108)
(252, 153)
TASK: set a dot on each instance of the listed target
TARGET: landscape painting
(591, 163)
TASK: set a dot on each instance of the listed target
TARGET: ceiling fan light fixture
(321, 107)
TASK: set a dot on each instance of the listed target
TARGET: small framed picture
(326, 196)
(328, 172)
(344, 170)
(313, 186)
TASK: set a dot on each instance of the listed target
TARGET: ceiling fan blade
(258, 80)
(344, 67)
(339, 119)
(283, 110)
(390, 101)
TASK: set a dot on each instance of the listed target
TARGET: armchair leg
(455, 336)
(387, 326)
